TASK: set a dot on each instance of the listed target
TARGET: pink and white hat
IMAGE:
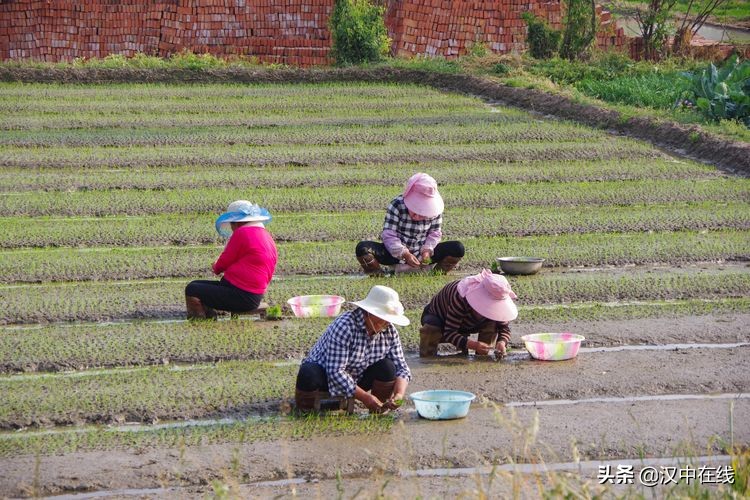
(489, 295)
(421, 196)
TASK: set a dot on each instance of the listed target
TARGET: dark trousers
(312, 376)
(431, 319)
(223, 295)
(378, 250)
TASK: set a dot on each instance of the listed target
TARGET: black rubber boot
(429, 338)
(370, 264)
(382, 390)
(196, 309)
(447, 264)
(304, 401)
(487, 334)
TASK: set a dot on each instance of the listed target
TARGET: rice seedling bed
(144, 395)
(345, 198)
(589, 249)
(604, 148)
(212, 176)
(479, 132)
(458, 223)
(78, 121)
(90, 345)
(102, 438)
(267, 106)
(96, 301)
(232, 105)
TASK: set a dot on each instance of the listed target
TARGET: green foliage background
(359, 32)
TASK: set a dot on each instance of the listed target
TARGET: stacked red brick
(451, 27)
(609, 35)
(292, 32)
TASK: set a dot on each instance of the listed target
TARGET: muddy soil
(718, 329)
(488, 435)
(619, 374)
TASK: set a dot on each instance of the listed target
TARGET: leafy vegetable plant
(721, 93)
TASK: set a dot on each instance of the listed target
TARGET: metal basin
(520, 265)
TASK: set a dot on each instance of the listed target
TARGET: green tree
(358, 32)
(654, 23)
(579, 30)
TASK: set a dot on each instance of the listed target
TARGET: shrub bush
(500, 69)
(358, 32)
(542, 40)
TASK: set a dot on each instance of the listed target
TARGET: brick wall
(289, 31)
(286, 31)
(450, 27)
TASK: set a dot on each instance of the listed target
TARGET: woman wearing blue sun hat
(247, 262)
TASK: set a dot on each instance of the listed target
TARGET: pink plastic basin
(553, 346)
(316, 306)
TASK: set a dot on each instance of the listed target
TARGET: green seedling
(274, 312)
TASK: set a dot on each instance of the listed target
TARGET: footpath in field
(107, 199)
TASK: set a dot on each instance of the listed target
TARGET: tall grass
(651, 90)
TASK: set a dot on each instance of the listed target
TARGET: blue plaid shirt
(346, 350)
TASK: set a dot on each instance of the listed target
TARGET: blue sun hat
(240, 211)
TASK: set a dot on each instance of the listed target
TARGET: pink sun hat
(489, 295)
(421, 196)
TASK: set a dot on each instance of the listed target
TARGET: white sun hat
(384, 303)
(240, 211)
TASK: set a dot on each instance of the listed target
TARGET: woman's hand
(500, 348)
(373, 404)
(397, 398)
(410, 259)
(478, 347)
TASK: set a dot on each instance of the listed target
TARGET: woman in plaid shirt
(412, 231)
(359, 352)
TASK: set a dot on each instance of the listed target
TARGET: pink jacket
(249, 259)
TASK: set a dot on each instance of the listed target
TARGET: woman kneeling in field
(248, 263)
(359, 352)
(412, 231)
(481, 303)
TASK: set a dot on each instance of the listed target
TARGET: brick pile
(609, 35)
(700, 48)
(451, 27)
(292, 31)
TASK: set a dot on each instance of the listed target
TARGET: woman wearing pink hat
(247, 262)
(482, 304)
(411, 231)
